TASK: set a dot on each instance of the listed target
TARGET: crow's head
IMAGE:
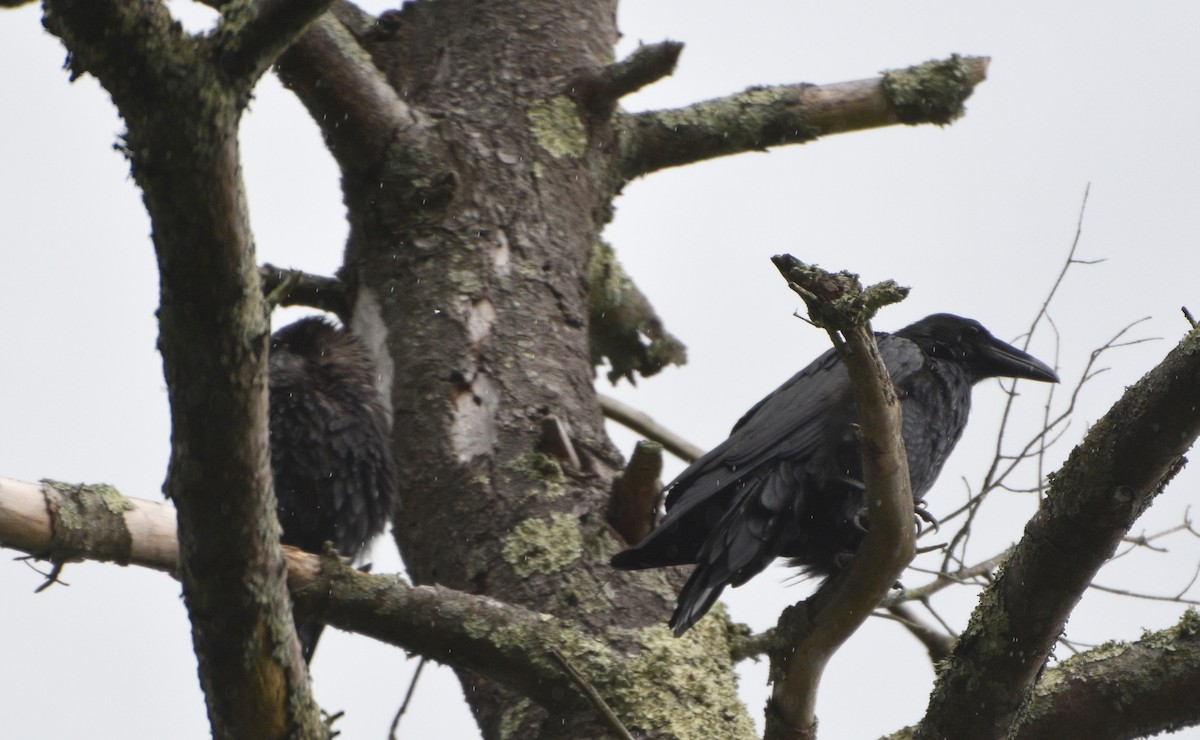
(965, 342)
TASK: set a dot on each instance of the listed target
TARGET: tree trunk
(476, 272)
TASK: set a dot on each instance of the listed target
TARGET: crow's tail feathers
(700, 592)
(741, 545)
(309, 633)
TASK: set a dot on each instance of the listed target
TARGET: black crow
(330, 452)
(788, 481)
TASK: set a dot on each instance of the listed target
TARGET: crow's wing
(788, 421)
(737, 504)
(804, 444)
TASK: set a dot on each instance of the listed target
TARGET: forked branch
(809, 633)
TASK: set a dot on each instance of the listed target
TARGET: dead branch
(299, 288)
(637, 493)
(794, 114)
(65, 523)
(946, 578)
(650, 429)
(646, 65)
(181, 104)
(937, 642)
(623, 326)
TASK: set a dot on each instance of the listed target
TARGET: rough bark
(1120, 690)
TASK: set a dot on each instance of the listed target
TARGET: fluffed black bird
(788, 481)
(333, 470)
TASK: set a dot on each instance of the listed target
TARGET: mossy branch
(624, 328)
(181, 97)
(69, 523)
(764, 117)
(637, 493)
(1133, 689)
(250, 36)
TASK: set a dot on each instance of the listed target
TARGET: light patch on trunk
(367, 324)
(473, 430)
(501, 254)
(479, 320)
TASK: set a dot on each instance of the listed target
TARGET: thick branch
(252, 35)
(1105, 484)
(64, 523)
(811, 632)
(118, 43)
(1120, 690)
(358, 111)
(794, 114)
(494, 639)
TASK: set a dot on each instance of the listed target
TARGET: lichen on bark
(543, 545)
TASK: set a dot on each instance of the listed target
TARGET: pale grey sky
(976, 217)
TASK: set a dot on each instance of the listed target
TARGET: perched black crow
(788, 481)
(330, 456)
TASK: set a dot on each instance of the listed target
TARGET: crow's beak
(1006, 361)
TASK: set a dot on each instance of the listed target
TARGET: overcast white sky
(976, 217)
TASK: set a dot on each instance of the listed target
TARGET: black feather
(788, 481)
(330, 451)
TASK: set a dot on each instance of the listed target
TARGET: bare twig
(1146, 541)
(606, 713)
(1123, 463)
(556, 441)
(408, 695)
(948, 578)
(1147, 597)
(1004, 465)
(449, 626)
(642, 424)
(750, 646)
(937, 643)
